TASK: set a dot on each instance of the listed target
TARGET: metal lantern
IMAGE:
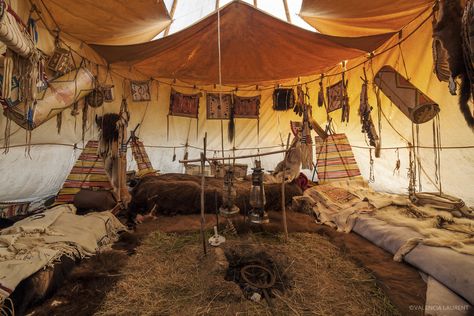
(257, 196)
(229, 195)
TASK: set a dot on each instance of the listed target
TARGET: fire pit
(257, 274)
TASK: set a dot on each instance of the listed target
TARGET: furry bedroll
(43, 240)
(176, 193)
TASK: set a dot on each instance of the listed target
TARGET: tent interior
(343, 128)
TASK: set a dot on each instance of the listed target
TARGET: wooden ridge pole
(172, 11)
(283, 206)
(287, 11)
(203, 183)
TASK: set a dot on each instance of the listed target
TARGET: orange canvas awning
(113, 22)
(255, 48)
(358, 18)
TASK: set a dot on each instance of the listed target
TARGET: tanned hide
(448, 30)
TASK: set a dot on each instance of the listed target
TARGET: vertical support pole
(172, 11)
(283, 206)
(203, 183)
(287, 11)
(217, 5)
(255, 3)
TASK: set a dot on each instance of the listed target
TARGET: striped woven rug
(88, 172)
(141, 158)
(335, 160)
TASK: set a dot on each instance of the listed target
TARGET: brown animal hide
(109, 133)
(180, 194)
(448, 30)
(108, 144)
(88, 200)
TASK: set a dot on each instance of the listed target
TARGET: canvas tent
(244, 51)
(251, 65)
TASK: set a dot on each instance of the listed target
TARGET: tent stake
(283, 206)
(203, 180)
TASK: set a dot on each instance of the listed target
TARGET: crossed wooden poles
(203, 160)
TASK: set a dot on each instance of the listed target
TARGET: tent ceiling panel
(113, 22)
(255, 48)
(358, 18)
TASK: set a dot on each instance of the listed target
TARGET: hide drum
(416, 105)
(60, 94)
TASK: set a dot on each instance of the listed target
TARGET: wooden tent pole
(173, 10)
(287, 11)
(203, 180)
(255, 3)
(217, 5)
(235, 157)
(283, 206)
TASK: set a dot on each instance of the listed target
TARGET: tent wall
(43, 174)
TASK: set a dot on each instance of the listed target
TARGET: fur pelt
(448, 30)
(172, 194)
(108, 132)
(108, 126)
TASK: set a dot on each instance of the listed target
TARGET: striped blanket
(88, 172)
(141, 158)
(335, 160)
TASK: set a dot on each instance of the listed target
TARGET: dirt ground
(160, 270)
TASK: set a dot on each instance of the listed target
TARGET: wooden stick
(283, 206)
(173, 9)
(236, 157)
(203, 180)
(288, 17)
(255, 3)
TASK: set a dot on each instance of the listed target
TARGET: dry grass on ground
(170, 276)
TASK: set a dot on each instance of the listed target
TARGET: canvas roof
(255, 47)
(357, 18)
(106, 21)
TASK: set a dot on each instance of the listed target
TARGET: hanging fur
(448, 30)
(109, 133)
(108, 126)
(321, 94)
